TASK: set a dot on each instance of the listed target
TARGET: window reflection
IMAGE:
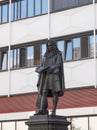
(4, 13)
(30, 8)
(91, 45)
(44, 6)
(23, 9)
(30, 56)
(15, 10)
(18, 9)
(76, 48)
(60, 45)
(43, 50)
(37, 7)
(10, 58)
(68, 51)
(4, 60)
(12, 10)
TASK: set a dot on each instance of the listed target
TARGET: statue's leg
(43, 105)
(55, 101)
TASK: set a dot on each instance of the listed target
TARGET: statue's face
(50, 46)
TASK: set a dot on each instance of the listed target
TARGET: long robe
(52, 79)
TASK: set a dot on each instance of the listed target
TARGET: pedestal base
(47, 122)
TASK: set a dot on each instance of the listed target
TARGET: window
(60, 45)
(4, 14)
(22, 56)
(30, 8)
(0, 14)
(10, 58)
(84, 46)
(44, 6)
(68, 50)
(23, 9)
(15, 11)
(30, 56)
(36, 54)
(18, 10)
(37, 7)
(43, 50)
(4, 60)
(12, 10)
(76, 48)
(91, 46)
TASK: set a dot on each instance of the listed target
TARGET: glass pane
(18, 9)
(60, 45)
(10, 59)
(44, 6)
(23, 9)
(30, 8)
(18, 58)
(8, 125)
(68, 51)
(93, 123)
(76, 48)
(43, 50)
(37, 7)
(12, 10)
(30, 56)
(14, 58)
(4, 61)
(80, 123)
(15, 10)
(91, 49)
(21, 125)
(0, 14)
(4, 13)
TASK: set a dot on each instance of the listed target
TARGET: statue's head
(51, 45)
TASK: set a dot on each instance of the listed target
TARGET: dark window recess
(73, 3)
(82, 2)
(59, 4)
(67, 4)
(84, 46)
(37, 54)
(22, 57)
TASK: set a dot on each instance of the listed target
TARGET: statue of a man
(51, 78)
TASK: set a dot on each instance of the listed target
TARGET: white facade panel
(4, 83)
(79, 73)
(23, 81)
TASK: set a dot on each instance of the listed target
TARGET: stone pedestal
(47, 122)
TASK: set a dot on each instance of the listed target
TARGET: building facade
(25, 26)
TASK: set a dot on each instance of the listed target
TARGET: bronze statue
(51, 78)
